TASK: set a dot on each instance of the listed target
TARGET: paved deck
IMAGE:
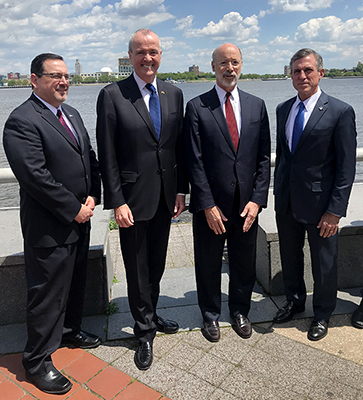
(277, 362)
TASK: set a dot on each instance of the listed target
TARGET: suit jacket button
(158, 172)
(233, 183)
(83, 200)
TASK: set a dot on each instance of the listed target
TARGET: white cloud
(280, 40)
(231, 26)
(330, 29)
(137, 7)
(298, 5)
(184, 23)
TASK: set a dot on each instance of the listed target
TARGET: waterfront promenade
(277, 362)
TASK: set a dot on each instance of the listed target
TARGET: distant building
(125, 67)
(78, 67)
(287, 70)
(194, 68)
(13, 75)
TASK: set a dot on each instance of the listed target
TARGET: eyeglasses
(56, 76)
(235, 63)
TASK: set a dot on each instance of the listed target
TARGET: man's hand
(250, 212)
(215, 219)
(179, 205)
(123, 216)
(328, 225)
(91, 202)
(85, 213)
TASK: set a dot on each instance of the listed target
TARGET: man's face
(305, 76)
(146, 56)
(52, 90)
(227, 66)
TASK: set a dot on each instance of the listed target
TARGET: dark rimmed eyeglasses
(56, 76)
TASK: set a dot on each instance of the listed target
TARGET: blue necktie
(154, 108)
(298, 127)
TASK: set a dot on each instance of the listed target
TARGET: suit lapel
(73, 120)
(215, 108)
(163, 93)
(284, 112)
(52, 120)
(320, 108)
(133, 93)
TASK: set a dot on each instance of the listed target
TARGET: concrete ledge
(12, 273)
(350, 253)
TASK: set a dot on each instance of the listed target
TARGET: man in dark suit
(138, 133)
(314, 173)
(59, 187)
(227, 150)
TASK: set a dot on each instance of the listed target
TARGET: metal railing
(7, 176)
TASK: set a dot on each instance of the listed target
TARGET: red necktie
(231, 121)
(63, 122)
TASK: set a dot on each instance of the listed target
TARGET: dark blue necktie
(298, 127)
(154, 108)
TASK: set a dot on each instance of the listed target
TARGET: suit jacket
(214, 167)
(318, 177)
(55, 176)
(132, 159)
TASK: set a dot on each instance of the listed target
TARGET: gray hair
(305, 53)
(145, 32)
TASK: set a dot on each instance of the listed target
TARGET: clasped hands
(86, 211)
(215, 217)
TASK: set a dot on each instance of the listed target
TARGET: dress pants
(144, 246)
(208, 252)
(323, 262)
(56, 280)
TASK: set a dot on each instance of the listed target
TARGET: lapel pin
(162, 92)
(321, 108)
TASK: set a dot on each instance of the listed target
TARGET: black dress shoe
(166, 326)
(242, 326)
(318, 330)
(144, 356)
(211, 331)
(53, 382)
(287, 311)
(83, 340)
(357, 316)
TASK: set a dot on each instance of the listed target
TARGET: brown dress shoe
(242, 326)
(210, 331)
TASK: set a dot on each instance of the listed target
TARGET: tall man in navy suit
(314, 173)
(138, 133)
(227, 151)
(49, 151)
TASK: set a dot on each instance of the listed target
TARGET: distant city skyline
(97, 31)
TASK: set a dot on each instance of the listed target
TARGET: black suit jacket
(132, 159)
(318, 177)
(55, 176)
(214, 167)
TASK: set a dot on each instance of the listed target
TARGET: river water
(84, 98)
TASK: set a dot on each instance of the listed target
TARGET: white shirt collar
(51, 108)
(222, 94)
(141, 84)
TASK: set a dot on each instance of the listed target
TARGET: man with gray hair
(138, 134)
(314, 173)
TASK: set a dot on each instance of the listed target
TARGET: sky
(97, 32)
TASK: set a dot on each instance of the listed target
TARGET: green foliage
(115, 280)
(89, 79)
(77, 79)
(111, 308)
(112, 225)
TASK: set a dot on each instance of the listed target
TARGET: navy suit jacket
(318, 177)
(213, 165)
(132, 159)
(55, 175)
